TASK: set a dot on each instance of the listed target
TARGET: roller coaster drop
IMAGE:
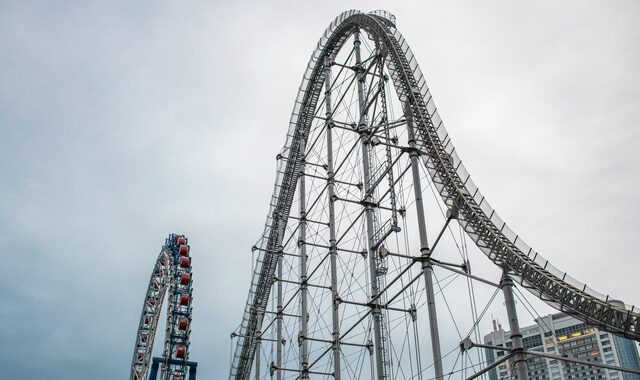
(171, 274)
(337, 286)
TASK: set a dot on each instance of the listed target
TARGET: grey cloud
(121, 122)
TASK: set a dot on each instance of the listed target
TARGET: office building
(561, 334)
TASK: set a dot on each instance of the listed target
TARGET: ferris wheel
(171, 276)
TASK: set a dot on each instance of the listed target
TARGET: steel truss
(344, 165)
(171, 275)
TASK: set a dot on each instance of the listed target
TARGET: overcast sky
(123, 121)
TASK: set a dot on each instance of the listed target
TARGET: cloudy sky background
(122, 121)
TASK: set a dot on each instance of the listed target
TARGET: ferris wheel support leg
(153, 373)
(333, 252)
(380, 353)
(193, 371)
(427, 266)
(519, 360)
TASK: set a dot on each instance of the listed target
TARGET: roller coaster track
(454, 185)
(171, 274)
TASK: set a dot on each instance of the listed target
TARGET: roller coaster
(171, 276)
(346, 276)
(336, 290)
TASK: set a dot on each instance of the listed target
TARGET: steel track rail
(452, 181)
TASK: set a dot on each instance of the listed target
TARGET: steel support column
(279, 318)
(424, 246)
(258, 346)
(332, 221)
(376, 313)
(304, 317)
(519, 361)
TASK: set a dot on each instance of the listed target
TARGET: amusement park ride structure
(171, 276)
(346, 280)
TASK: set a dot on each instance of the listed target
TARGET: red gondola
(184, 262)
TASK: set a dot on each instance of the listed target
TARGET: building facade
(561, 334)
